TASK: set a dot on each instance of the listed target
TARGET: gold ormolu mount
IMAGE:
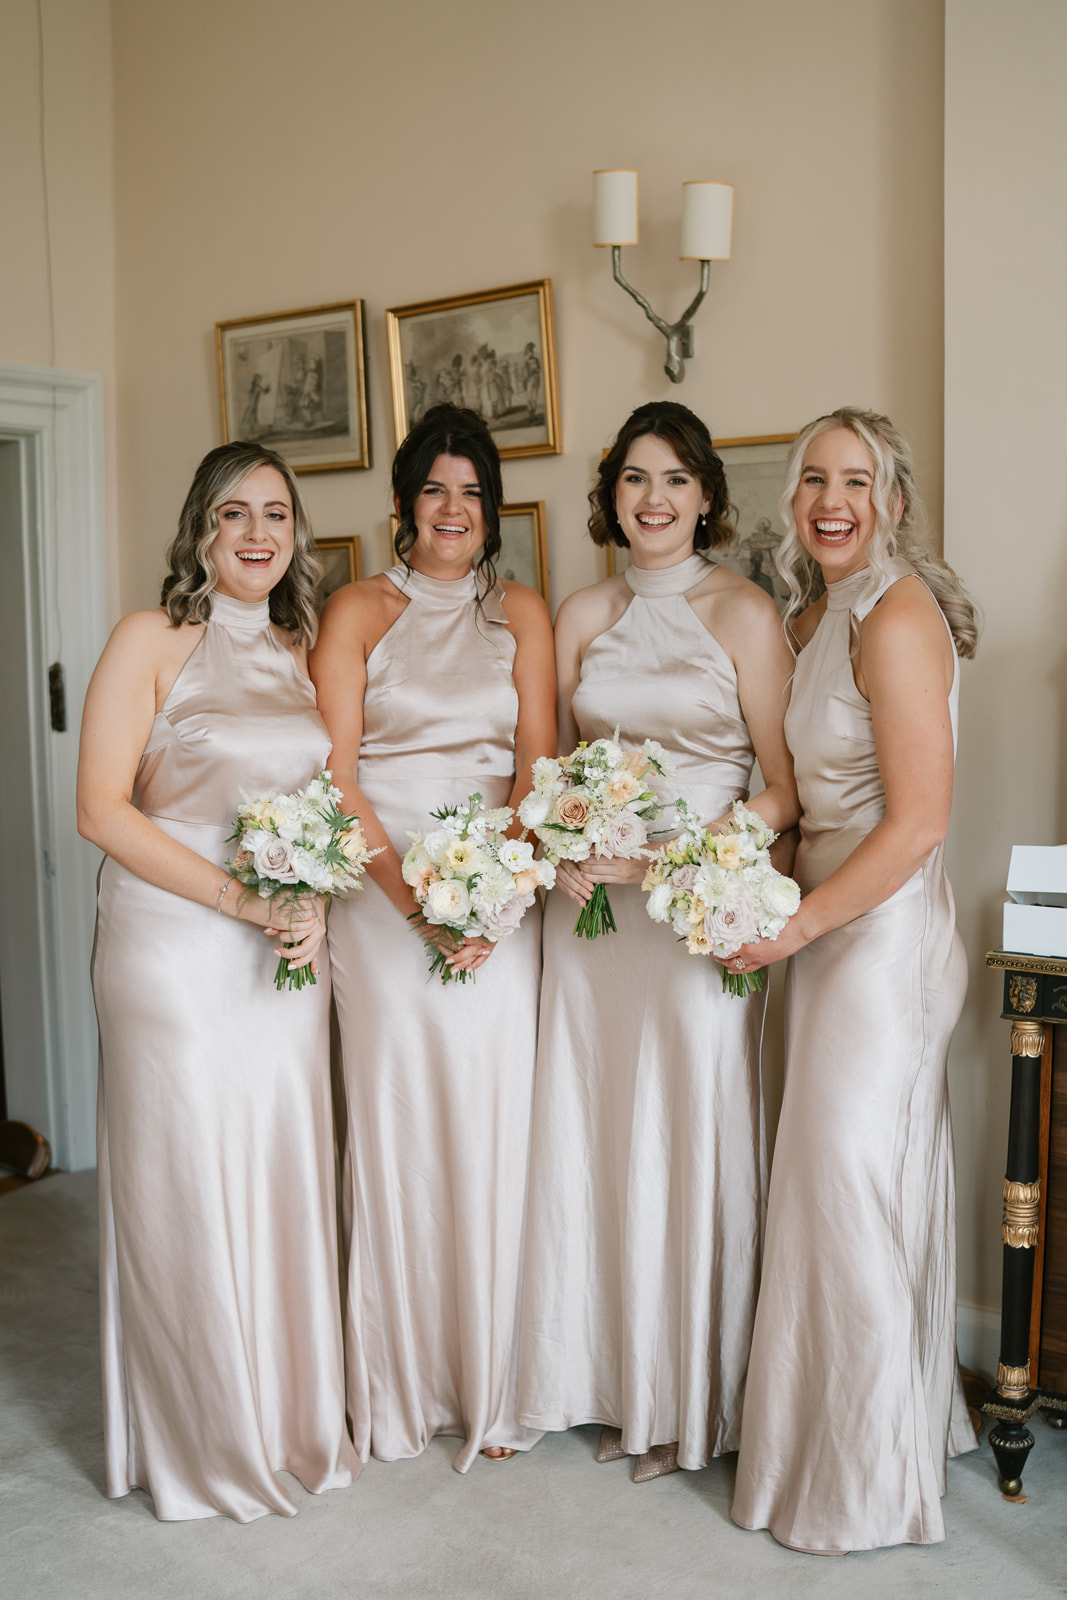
(1021, 1202)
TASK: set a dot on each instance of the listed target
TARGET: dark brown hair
(189, 584)
(683, 430)
(448, 430)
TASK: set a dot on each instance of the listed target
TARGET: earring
(703, 520)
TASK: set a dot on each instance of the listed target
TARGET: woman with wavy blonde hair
(220, 1318)
(853, 1399)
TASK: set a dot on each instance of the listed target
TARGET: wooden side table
(1032, 1370)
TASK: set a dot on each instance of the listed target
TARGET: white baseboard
(978, 1338)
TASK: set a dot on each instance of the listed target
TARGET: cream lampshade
(614, 207)
(707, 216)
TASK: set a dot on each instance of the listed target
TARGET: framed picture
(494, 352)
(295, 381)
(523, 545)
(755, 473)
(342, 561)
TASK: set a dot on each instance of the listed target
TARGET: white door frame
(56, 418)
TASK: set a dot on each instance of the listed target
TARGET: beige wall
(271, 156)
(1005, 521)
(73, 164)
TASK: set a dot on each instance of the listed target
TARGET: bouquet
(290, 846)
(595, 802)
(470, 879)
(719, 891)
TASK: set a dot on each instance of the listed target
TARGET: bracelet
(222, 896)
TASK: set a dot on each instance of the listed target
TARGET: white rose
(779, 897)
(273, 858)
(658, 904)
(625, 835)
(535, 808)
(436, 842)
(516, 854)
(309, 869)
(680, 922)
(611, 752)
(448, 901)
(503, 919)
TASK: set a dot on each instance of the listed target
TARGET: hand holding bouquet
(719, 891)
(470, 879)
(598, 801)
(291, 847)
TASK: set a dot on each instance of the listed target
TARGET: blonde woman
(853, 1399)
(221, 1323)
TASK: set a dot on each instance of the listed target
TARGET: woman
(853, 1396)
(646, 1172)
(435, 682)
(221, 1329)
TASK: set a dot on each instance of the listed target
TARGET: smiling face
(449, 519)
(657, 502)
(254, 544)
(832, 507)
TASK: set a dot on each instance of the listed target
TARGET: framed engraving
(296, 382)
(494, 351)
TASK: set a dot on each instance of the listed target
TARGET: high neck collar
(661, 583)
(249, 616)
(445, 594)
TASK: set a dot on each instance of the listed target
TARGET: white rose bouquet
(470, 880)
(598, 801)
(719, 891)
(296, 845)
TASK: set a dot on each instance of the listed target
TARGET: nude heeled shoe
(656, 1463)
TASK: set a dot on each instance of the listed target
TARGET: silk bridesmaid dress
(221, 1328)
(647, 1163)
(854, 1399)
(438, 1079)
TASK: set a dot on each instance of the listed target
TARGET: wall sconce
(707, 218)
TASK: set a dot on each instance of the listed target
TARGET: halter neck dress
(438, 1079)
(853, 1397)
(220, 1318)
(647, 1159)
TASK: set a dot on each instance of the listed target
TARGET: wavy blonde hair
(906, 536)
(192, 578)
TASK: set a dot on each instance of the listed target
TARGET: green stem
(740, 984)
(596, 915)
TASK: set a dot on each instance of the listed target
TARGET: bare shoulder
(150, 638)
(803, 626)
(905, 612)
(745, 599)
(356, 609)
(524, 605)
(592, 610)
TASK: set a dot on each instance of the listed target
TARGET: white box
(1035, 930)
(1037, 875)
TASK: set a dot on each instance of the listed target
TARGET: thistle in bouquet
(719, 890)
(599, 801)
(471, 880)
(291, 847)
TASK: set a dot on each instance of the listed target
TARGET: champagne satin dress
(438, 1079)
(221, 1324)
(647, 1160)
(853, 1398)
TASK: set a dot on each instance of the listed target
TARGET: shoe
(497, 1452)
(656, 1463)
(610, 1445)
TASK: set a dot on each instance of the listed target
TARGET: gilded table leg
(1012, 1401)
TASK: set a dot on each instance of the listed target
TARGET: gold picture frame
(523, 554)
(755, 482)
(342, 561)
(494, 351)
(296, 381)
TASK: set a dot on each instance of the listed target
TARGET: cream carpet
(552, 1523)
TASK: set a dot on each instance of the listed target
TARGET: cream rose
(273, 858)
(625, 835)
(729, 927)
(447, 900)
(352, 843)
(623, 788)
(503, 919)
(572, 810)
